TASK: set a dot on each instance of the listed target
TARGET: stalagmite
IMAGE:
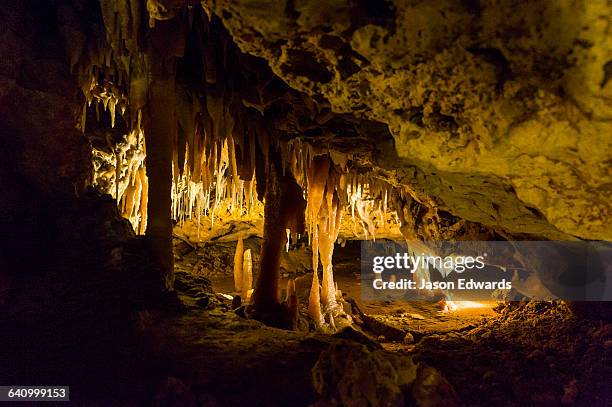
(291, 300)
(315, 249)
(247, 275)
(325, 247)
(314, 301)
(238, 265)
(144, 196)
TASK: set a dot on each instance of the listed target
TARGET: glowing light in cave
(450, 306)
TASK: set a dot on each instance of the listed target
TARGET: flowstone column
(284, 208)
(159, 144)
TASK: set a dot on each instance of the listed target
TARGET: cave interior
(188, 187)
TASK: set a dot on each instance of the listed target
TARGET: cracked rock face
(500, 112)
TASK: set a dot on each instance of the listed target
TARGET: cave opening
(296, 203)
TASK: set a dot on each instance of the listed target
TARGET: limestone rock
(498, 116)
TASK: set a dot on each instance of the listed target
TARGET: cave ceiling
(484, 116)
(500, 112)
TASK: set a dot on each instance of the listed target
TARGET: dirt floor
(531, 353)
(510, 354)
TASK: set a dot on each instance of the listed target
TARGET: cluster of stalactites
(121, 173)
(115, 76)
(213, 132)
(331, 189)
(368, 200)
(324, 215)
(213, 188)
(298, 157)
(110, 66)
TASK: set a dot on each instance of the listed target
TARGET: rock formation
(123, 120)
(500, 112)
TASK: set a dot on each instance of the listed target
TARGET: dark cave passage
(280, 203)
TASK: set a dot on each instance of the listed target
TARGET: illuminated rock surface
(500, 113)
(407, 120)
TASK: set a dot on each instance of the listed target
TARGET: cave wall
(500, 110)
(39, 102)
(67, 254)
(43, 157)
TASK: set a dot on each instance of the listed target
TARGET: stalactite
(317, 177)
(326, 247)
(329, 224)
(324, 217)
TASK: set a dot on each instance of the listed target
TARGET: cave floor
(419, 318)
(531, 353)
(198, 351)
